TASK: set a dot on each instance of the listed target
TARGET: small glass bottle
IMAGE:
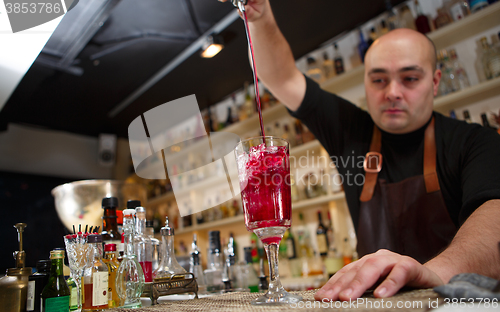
(168, 265)
(327, 66)
(406, 19)
(111, 261)
(459, 70)
(338, 60)
(195, 266)
(421, 22)
(95, 278)
(313, 70)
(142, 244)
(129, 277)
(155, 245)
(36, 284)
(250, 280)
(56, 295)
(110, 232)
(449, 72)
(490, 59)
(213, 273)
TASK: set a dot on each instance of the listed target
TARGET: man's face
(400, 81)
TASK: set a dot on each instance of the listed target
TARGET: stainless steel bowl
(80, 202)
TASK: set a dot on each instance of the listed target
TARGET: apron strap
(430, 175)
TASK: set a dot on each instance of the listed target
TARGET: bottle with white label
(36, 284)
(95, 278)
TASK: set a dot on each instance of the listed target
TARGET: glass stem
(274, 274)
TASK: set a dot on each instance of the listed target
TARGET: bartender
(428, 207)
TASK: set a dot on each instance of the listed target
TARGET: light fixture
(212, 46)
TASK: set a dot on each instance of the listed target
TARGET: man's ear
(435, 81)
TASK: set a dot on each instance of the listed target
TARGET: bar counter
(413, 301)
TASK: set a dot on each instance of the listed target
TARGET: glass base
(134, 304)
(277, 298)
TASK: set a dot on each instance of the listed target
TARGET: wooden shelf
(303, 204)
(345, 81)
(479, 92)
(252, 123)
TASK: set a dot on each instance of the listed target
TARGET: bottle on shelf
(155, 245)
(338, 60)
(110, 232)
(362, 46)
(112, 262)
(467, 116)
(248, 107)
(278, 132)
(392, 17)
(37, 283)
(129, 277)
(445, 83)
(490, 57)
(383, 28)
(195, 266)
(313, 70)
(486, 123)
(406, 19)
(442, 19)
(327, 66)
(263, 284)
(55, 295)
(230, 272)
(458, 9)
(421, 22)
(305, 250)
(229, 119)
(95, 278)
(251, 280)
(449, 72)
(476, 5)
(347, 255)
(321, 238)
(372, 36)
(459, 71)
(119, 222)
(142, 244)
(453, 115)
(168, 265)
(291, 249)
(213, 273)
(298, 132)
(294, 190)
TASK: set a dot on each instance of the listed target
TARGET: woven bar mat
(415, 300)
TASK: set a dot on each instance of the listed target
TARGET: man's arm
(273, 57)
(474, 249)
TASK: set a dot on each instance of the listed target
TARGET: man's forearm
(475, 246)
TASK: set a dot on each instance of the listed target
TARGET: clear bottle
(457, 9)
(449, 71)
(36, 284)
(110, 232)
(444, 84)
(313, 70)
(213, 273)
(250, 279)
(95, 278)
(195, 266)
(168, 265)
(249, 106)
(490, 59)
(129, 277)
(338, 60)
(406, 19)
(142, 245)
(459, 71)
(55, 295)
(111, 261)
(155, 245)
(328, 66)
(421, 22)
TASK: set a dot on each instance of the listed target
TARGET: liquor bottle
(406, 19)
(305, 250)
(229, 119)
(111, 261)
(362, 46)
(338, 60)
(195, 266)
(110, 232)
(55, 295)
(486, 123)
(467, 116)
(36, 284)
(372, 36)
(457, 9)
(490, 59)
(383, 28)
(155, 245)
(348, 252)
(449, 72)
(95, 278)
(168, 265)
(330, 234)
(476, 5)
(459, 71)
(250, 280)
(321, 238)
(142, 244)
(392, 17)
(421, 22)
(328, 66)
(453, 115)
(294, 190)
(129, 277)
(313, 70)
(442, 19)
(291, 250)
(248, 106)
(213, 273)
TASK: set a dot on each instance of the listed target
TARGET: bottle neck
(140, 226)
(56, 268)
(97, 251)
(215, 259)
(128, 235)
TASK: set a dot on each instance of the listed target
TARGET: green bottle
(56, 294)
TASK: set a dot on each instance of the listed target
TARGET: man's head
(401, 80)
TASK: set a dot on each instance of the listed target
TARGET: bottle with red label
(95, 278)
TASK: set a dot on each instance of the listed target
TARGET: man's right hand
(254, 9)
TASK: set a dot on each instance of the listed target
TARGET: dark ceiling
(138, 38)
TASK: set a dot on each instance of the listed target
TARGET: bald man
(428, 204)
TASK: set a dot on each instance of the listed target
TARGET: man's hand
(391, 269)
(254, 9)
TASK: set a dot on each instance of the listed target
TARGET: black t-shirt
(468, 155)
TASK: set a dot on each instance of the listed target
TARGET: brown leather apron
(408, 217)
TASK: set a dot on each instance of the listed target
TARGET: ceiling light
(212, 46)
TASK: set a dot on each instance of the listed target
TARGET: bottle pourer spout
(240, 4)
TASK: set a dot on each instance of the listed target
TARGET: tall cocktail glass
(264, 174)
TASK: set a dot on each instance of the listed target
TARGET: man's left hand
(392, 270)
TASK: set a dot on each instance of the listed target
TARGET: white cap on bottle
(128, 212)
